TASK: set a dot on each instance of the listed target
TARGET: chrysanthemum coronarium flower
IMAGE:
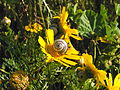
(100, 75)
(34, 27)
(60, 50)
(66, 29)
(19, 80)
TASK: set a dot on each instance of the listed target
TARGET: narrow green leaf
(117, 9)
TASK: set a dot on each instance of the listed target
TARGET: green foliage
(19, 49)
(117, 8)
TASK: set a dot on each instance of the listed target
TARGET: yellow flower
(100, 75)
(112, 85)
(68, 32)
(61, 56)
(33, 27)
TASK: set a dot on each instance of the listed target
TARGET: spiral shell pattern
(60, 46)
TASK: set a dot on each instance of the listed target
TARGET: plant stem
(40, 6)
(47, 8)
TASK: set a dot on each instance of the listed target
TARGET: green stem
(40, 6)
(47, 8)
(94, 43)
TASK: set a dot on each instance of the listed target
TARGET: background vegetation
(20, 51)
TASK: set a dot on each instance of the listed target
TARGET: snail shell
(53, 27)
(55, 30)
(60, 46)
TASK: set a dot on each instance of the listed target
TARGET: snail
(60, 46)
(54, 28)
(55, 25)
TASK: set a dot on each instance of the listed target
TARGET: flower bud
(19, 80)
(6, 21)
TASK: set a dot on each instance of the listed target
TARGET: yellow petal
(92, 68)
(63, 16)
(76, 37)
(74, 31)
(114, 88)
(81, 68)
(117, 80)
(41, 42)
(71, 50)
(69, 62)
(74, 57)
(88, 59)
(110, 80)
(62, 62)
(56, 17)
(49, 58)
(50, 36)
(43, 48)
(101, 76)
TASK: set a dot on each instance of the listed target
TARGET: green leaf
(112, 31)
(117, 9)
(103, 12)
(92, 24)
(85, 26)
